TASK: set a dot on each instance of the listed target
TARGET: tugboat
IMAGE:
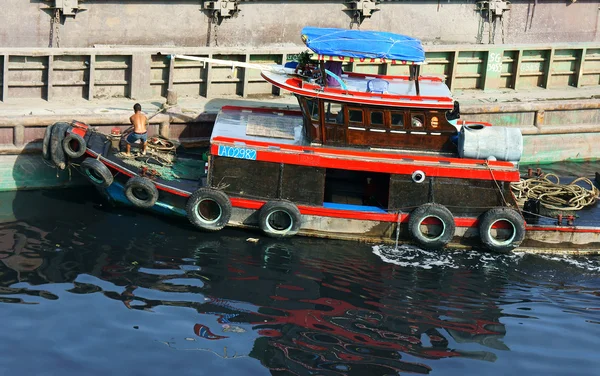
(368, 157)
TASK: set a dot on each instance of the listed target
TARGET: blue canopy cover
(363, 44)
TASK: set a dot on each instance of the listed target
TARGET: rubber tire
(67, 145)
(138, 182)
(431, 210)
(218, 197)
(496, 214)
(57, 154)
(279, 205)
(46, 142)
(100, 169)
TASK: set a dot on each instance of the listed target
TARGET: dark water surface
(90, 290)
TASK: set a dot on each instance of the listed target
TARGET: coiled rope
(554, 195)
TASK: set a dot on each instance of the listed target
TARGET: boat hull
(538, 239)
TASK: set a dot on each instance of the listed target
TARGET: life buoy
(141, 192)
(46, 142)
(97, 172)
(501, 229)
(57, 154)
(431, 226)
(279, 219)
(209, 209)
(74, 145)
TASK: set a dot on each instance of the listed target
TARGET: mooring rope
(554, 195)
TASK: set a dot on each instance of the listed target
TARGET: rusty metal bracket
(361, 9)
(220, 9)
(66, 8)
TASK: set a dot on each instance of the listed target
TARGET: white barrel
(482, 142)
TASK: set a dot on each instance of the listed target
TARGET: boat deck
(186, 174)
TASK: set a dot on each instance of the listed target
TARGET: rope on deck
(556, 196)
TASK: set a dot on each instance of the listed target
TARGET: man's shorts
(133, 137)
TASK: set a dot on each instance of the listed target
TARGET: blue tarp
(363, 44)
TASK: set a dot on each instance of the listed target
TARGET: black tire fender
(438, 212)
(57, 153)
(96, 172)
(504, 214)
(46, 142)
(216, 212)
(68, 147)
(142, 192)
(289, 210)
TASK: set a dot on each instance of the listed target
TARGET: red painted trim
(563, 229)
(352, 99)
(393, 166)
(357, 153)
(296, 82)
(346, 214)
(405, 78)
(79, 128)
(271, 110)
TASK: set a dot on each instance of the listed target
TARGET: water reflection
(302, 306)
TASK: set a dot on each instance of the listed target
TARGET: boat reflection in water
(300, 306)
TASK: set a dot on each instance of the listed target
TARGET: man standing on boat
(140, 129)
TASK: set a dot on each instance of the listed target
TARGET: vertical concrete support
(539, 119)
(208, 76)
(549, 69)
(49, 78)
(452, 73)
(91, 77)
(517, 71)
(19, 135)
(164, 129)
(493, 69)
(246, 78)
(5, 77)
(141, 76)
(579, 67)
(171, 75)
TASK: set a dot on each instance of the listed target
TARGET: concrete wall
(26, 23)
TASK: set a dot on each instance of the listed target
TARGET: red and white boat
(368, 157)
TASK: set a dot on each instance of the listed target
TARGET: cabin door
(334, 128)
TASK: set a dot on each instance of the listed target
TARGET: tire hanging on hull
(57, 154)
(493, 238)
(74, 152)
(141, 192)
(96, 172)
(432, 212)
(279, 219)
(209, 209)
(46, 142)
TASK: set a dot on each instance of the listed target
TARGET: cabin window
(355, 116)
(313, 108)
(377, 119)
(334, 113)
(417, 120)
(397, 119)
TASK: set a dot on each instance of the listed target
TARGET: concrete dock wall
(183, 23)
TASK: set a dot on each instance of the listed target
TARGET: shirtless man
(140, 129)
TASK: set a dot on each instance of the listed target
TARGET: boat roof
(401, 91)
(363, 44)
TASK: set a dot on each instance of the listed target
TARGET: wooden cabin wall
(461, 196)
(267, 180)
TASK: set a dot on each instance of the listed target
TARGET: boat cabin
(337, 123)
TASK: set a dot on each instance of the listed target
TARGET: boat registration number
(235, 152)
